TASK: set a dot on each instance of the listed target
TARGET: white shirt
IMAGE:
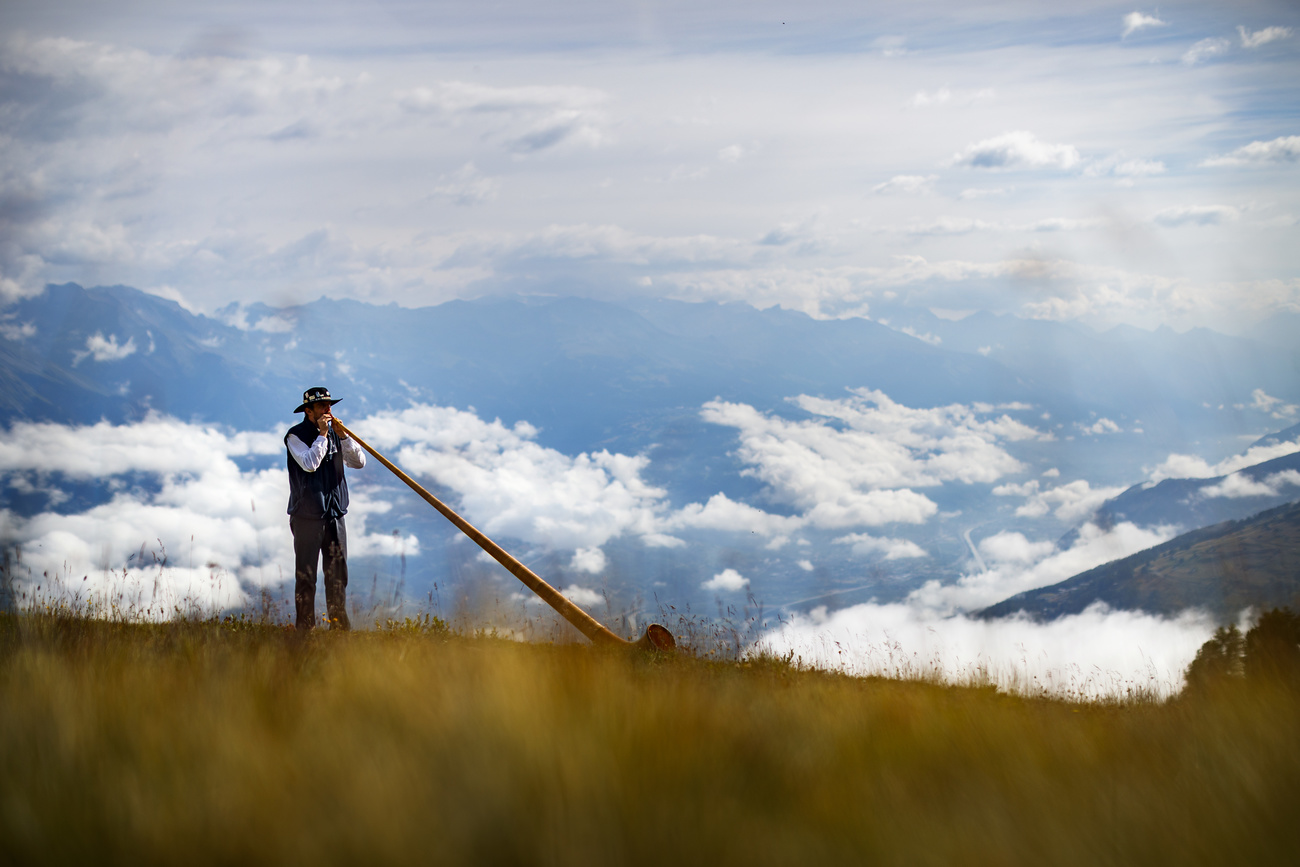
(309, 457)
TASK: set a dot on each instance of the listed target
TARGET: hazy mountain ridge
(1183, 503)
(630, 378)
(1166, 379)
(1223, 568)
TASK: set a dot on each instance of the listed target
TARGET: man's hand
(322, 424)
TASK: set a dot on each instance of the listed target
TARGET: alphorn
(656, 637)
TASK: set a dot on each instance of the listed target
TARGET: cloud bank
(855, 462)
(395, 173)
(204, 536)
(1093, 655)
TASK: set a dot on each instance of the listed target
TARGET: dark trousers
(311, 538)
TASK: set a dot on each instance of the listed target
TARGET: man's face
(317, 409)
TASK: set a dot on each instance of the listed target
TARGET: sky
(1103, 163)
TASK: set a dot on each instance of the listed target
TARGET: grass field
(239, 743)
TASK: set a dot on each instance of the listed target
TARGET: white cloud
(946, 96)
(728, 580)
(1069, 502)
(1180, 466)
(1263, 36)
(1101, 426)
(208, 536)
(1196, 215)
(1014, 548)
(1010, 489)
(983, 193)
(946, 225)
(605, 242)
(1206, 49)
(588, 560)
(1063, 224)
(865, 545)
(17, 331)
(1238, 485)
(1289, 478)
(274, 325)
(856, 460)
(457, 97)
(908, 184)
(524, 119)
(1283, 149)
(890, 46)
(1121, 166)
(1039, 567)
(1135, 21)
(1017, 150)
(1139, 168)
(466, 186)
(806, 565)
(229, 97)
(103, 131)
(583, 596)
(927, 337)
(236, 316)
(101, 349)
(1087, 656)
(722, 513)
(158, 445)
(508, 485)
(731, 154)
(1275, 406)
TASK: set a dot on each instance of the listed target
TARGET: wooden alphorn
(656, 637)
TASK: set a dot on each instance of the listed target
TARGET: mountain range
(631, 376)
(1224, 568)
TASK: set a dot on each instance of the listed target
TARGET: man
(318, 500)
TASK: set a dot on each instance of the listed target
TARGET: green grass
(239, 743)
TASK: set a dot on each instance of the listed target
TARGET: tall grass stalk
(238, 742)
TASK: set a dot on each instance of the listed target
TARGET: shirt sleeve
(308, 457)
(353, 455)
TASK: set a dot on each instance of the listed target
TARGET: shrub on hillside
(1221, 657)
(1273, 647)
(1270, 651)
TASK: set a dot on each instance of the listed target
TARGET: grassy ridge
(237, 743)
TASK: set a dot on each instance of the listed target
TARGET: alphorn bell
(656, 637)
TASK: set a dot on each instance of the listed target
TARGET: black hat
(316, 395)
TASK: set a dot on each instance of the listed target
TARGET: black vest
(324, 493)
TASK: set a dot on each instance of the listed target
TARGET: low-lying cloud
(1070, 502)
(1095, 654)
(857, 459)
(208, 537)
(1013, 565)
(1240, 485)
(728, 581)
(100, 348)
(1181, 466)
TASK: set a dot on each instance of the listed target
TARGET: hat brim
(302, 407)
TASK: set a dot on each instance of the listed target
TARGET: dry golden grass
(199, 742)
